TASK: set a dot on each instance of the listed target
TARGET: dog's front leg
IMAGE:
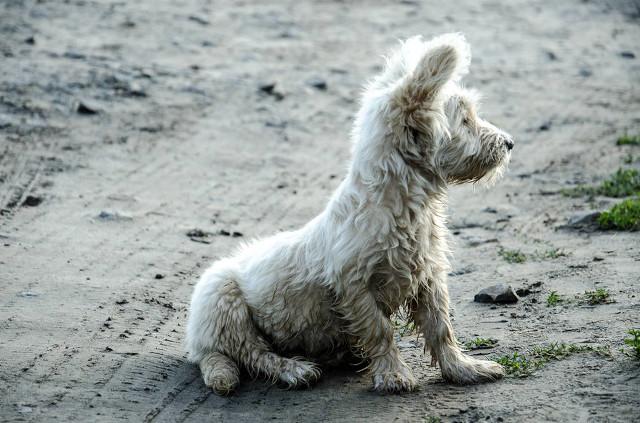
(430, 312)
(372, 333)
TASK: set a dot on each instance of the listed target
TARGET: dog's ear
(443, 59)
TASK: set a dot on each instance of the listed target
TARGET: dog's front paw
(467, 370)
(395, 381)
(298, 373)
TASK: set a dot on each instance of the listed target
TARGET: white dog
(379, 246)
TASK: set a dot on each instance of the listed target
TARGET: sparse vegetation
(634, 343)
(599, 296)
(553, 299)
(622, 216)
(403, 324)
(628, 140)
(481, 343)
(518, 365)
(521, 365)
(512, 256)
(552, 253)
(623, 183)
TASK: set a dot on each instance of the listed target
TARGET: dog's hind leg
(430, 312)
(221, 333)
(220, 373)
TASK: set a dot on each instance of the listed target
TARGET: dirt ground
(125, 125)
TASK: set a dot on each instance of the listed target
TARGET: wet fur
(380, 245)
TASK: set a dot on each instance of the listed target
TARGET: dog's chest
(400, 273)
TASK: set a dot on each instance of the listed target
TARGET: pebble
(84, 109)
(498, 294)
(318, 83)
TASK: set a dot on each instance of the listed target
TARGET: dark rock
(499, 294)
(318, 83)
(598, 258)
(462, 271)
(584, 72)
(585, 221)
(236, 234)
(159, 276)
(30, 40)
(551, 55)
(545, 126)
(32, 201)
(197, 233)
(269, 88)
(122, 302)
(74, 55)
(628, 55)
(84, 109)
(280, 125)
(112, 216)
(199, 19)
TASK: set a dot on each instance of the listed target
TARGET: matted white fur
(380, 245)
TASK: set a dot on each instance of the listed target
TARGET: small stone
(84, 109)
(30, 40)
(545, 126)
(159, 276)
(32, 201)
(113, 216)
(551, 55)
(584, 72)
(269, 88)
(498, 294)
(318, 83)
(598, 258)
(628, 55)
(199, 19)
(583, 221)
(122, 302)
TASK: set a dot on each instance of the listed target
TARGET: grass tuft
(623, 183)
(599, 296)
(481, 343)
(403, 324)
(554, 299)
(512, 256)
(628, 140)
(622, 216)
(633, 342)
(521, 365)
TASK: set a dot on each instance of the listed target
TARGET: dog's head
(436, 118)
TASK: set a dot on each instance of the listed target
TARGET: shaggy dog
(379, 246)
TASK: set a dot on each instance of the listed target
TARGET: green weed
(622, 216)
(481, 343)
(512, 256)
(599, 296)
(628, 140)
(623, 183)
(634, 343)
(521, 365)
(554, 299)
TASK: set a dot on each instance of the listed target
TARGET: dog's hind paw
(298, 373)
(401, 381)
(467, 370)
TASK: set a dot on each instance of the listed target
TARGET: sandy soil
(124, 125)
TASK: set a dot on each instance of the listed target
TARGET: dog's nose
(509, 143)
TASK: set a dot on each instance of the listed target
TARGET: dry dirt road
(125, 125)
